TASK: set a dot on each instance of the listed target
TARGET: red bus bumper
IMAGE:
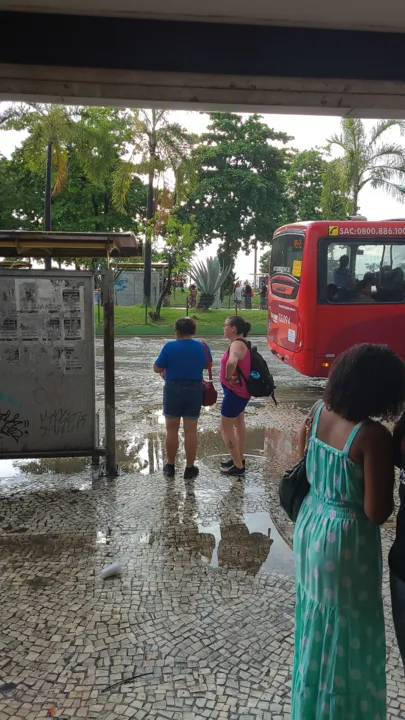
(304, 361)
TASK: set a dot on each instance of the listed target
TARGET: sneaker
(191, 472)
(168, 470)
(225, 464)
(234, 471)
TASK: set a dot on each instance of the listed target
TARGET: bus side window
(354, 273)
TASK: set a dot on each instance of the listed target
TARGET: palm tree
(158, 145)
(50, 129)
(46, 125)
(366, 158)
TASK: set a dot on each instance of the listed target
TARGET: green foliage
(21, 195)
(97, 143)
(158, 145)
(209, 276)
(305, 186)
(44, 124)
(366, 158)
(235, 183)
(239, 196)
(179, 241)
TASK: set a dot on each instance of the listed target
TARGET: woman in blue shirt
(182, 362)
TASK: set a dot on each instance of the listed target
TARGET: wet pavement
(200, 624)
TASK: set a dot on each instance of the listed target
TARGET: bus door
(285, 278)
(361, 295)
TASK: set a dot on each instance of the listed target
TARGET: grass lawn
(179, 299)
(131, 321)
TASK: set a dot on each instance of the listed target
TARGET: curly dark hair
(185, 326)
(366, 381)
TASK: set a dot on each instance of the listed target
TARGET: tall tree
(366, 159)
(305, 179)
(85, 201)
(21, 195)
(88, 147)
(179, 243)
(158, 145)
(49, 130)
(239, 194)
(45, 125)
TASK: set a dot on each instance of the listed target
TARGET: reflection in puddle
(251, 545)
(234, 539)
(282, 444)
(36, 466)
(144, 452)
(144, 539)
(101, 538)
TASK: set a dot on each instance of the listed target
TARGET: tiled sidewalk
(199, 626)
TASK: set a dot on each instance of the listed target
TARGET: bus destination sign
(364, 230)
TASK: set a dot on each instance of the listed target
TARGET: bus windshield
(286, 255)
(286, 264)
(372, 272)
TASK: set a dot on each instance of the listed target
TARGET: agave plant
(209, 276)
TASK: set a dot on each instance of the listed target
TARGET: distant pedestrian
(248, 295)
(238, 295)
(263, 295)
(192, 298)
(182, 362)
(235, 367)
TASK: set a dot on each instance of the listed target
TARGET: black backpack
(260, 382)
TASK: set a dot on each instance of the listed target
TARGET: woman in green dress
(339, 662)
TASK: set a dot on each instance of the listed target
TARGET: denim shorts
(182, 399)
(232, 404)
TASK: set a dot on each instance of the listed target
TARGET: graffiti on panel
(61, 422)
(12, 426)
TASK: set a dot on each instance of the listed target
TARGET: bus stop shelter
(40, 310)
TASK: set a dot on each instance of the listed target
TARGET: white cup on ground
(114, 569)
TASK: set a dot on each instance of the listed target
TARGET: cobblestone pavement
(200, 625)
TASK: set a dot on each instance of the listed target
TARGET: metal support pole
(255, 267)
(109, 372)
(96, 456)
(48, 199)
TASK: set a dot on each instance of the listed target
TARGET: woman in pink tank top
(235, 369)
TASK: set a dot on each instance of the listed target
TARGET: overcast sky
(309, 131)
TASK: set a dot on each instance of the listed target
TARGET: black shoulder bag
(294, 485)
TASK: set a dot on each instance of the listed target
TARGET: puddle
(144, 454)
(251, 545)
(140, 422)
(223, 525)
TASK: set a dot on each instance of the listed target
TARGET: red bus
(333, 284)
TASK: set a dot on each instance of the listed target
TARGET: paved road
(200, 625)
